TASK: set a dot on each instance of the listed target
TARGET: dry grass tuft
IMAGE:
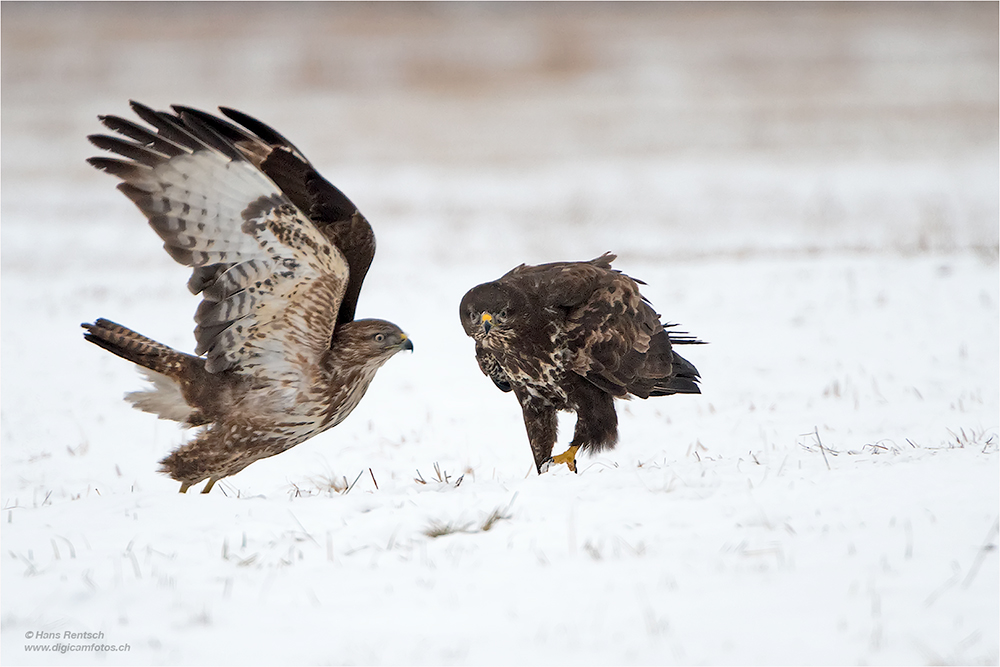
(981, 439)
(440, 476)
(439, 529)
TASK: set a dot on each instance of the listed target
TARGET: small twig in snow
(354, 482)
(821, 447)
(981, 553)
(304, 531)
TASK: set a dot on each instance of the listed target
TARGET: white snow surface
(811, 189)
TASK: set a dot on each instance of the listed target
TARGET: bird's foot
(208, 487)
(568, 457)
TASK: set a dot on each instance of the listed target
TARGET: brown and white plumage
(573, 336)
(278, 255)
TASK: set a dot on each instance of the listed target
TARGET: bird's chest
(537, 364)
(309, 402)
(341, 395)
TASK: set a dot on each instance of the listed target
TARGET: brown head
(496, 310)
(369, 342)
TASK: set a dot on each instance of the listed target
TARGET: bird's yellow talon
(568, 457)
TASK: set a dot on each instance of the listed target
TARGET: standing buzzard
(573, 336)
(278, 255)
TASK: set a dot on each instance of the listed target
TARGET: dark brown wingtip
(123, 169)
(142, 110)
(267, 133)
(136, 106)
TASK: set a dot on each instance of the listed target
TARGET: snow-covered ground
(812, 189)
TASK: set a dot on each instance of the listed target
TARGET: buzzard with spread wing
(573, 336)
(278, 255)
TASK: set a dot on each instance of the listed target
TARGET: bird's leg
(185, 486)
(596, 427)
(541, 423)
(568, 457)
(211, 483)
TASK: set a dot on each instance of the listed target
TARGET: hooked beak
(407, 343)
(487, 321)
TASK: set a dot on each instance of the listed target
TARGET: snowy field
(813, 189)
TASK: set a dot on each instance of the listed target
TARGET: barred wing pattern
(271, 282)
(328, 208)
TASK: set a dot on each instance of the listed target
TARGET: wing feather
(491, 368)
(563, 284)
(141, 135)
(142, 154)
(330, 210)
(616, 338)
(271, 281)
(167, 126)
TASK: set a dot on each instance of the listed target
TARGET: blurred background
(795, 182)
(548, 131)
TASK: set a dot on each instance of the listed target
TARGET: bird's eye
(379, 337)
(503, 314)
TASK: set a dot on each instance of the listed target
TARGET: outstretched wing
(272, 283)
(328, 208)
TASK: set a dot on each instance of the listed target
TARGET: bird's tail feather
(162, 365)
(136, 348)
(683, 380)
